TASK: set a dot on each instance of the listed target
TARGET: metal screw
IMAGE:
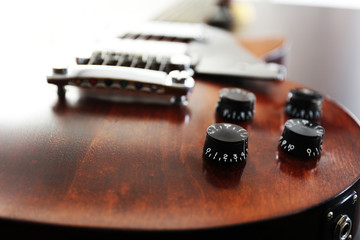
(179, 76)
(330, 215)
(355, 198)
(60, 70)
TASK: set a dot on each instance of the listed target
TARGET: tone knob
(226, 143)
(302, 138)
(304, 103)
(235, 104)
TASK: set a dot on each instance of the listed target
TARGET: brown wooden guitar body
(92, 166)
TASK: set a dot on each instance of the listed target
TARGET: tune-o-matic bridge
(176, 83)
(159, 68)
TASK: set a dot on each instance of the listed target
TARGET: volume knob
(302, 138)
(226, 143)
(304, 103)
(235, 104)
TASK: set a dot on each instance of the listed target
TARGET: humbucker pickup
(213, 51)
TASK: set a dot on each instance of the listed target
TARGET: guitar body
(96, 167)
(96, 164)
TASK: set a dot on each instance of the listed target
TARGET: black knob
(226, 143)
(304, 103)
(235, 104)
(302, 138)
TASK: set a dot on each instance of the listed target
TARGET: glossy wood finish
(104, 164)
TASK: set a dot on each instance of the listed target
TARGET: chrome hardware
(343, 228)
(180, 62)
(330, 215)
(182, 32)
(179, 77)
(355, 198)
(212, 51)
(339, 224)
(60, 70)
(125, 78)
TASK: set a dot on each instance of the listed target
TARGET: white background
(324, 55)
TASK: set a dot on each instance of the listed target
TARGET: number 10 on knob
(302, 138)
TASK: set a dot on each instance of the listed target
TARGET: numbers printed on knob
(236, 116)
(226, 143)
(311, 152)
(225, 157)
(302, 138)
(236, 104)
(304, 103)
(241, 131)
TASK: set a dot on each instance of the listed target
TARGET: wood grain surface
(99, 163)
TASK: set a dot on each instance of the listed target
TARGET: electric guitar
(130, 147)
